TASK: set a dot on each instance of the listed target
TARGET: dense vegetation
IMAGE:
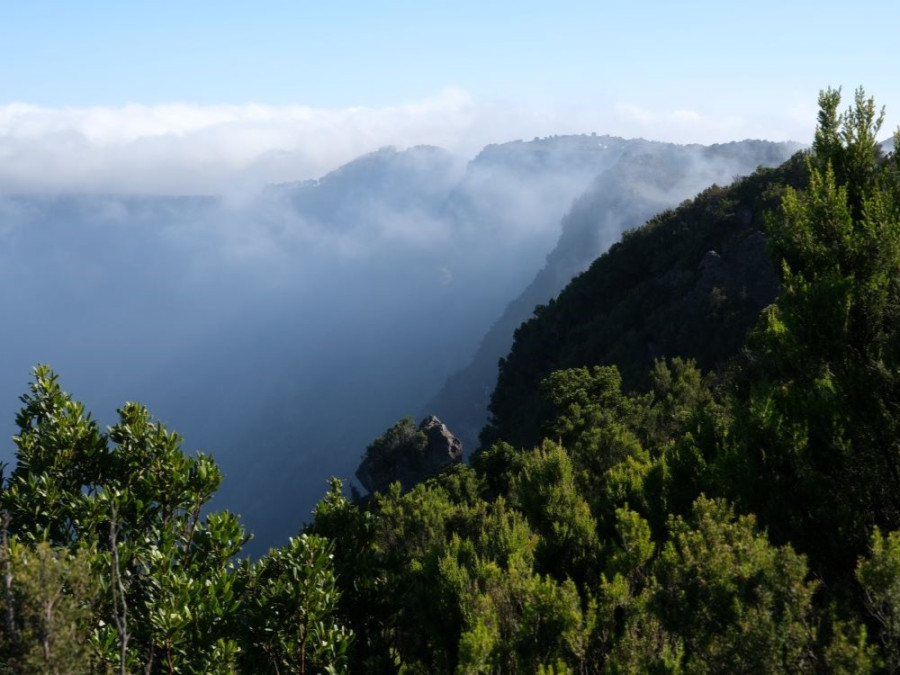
(109, 564)
(689, 283)
(742, 520)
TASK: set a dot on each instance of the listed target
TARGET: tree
(594, 421)
(160, 592)
(290, 598)
(817, 436)
(737, 603)
(848, 144)
(879, 575)
(51, 596)
(545, 490)
(135, 498)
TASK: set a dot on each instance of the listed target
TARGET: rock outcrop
(408, 455)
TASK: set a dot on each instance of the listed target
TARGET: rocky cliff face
(408, 455)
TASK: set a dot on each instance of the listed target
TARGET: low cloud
(185, 149)
(692, 126)
(193, 149)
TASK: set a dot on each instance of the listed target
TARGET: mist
(281, 283)
(235, 150)
(283, 330)
(646, 179)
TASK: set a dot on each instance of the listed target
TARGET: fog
(280, 284)
(189, 149)
(284, 328)
(647, 178)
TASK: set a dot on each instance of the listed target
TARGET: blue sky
(691, 71)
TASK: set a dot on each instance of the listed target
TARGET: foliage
(50, 596)
(817, 430)
(737, 603)
(879, 575)
(290, 599)
(714, 597)
(403, 436)
(127, 505)
(544, 490)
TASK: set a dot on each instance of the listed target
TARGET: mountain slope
(689, 283)
(647, 178)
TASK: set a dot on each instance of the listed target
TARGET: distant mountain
(283, 332)
(515, 185)
(387, 182)
(645, 179)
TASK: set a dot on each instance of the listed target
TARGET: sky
(203, 96)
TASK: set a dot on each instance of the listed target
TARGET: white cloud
(189, 149)
(185, 149)
(692, 126)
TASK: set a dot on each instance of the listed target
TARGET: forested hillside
(646, 179)
(689, 283)
(686, 481)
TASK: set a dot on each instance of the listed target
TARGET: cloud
(194, 149)
(188, 149)
(693, 126)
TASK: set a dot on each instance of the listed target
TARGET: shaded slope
(647, 178)
(688, 283)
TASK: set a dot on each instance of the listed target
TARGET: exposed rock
(440, 440)
(408, 455)
(712, 272)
